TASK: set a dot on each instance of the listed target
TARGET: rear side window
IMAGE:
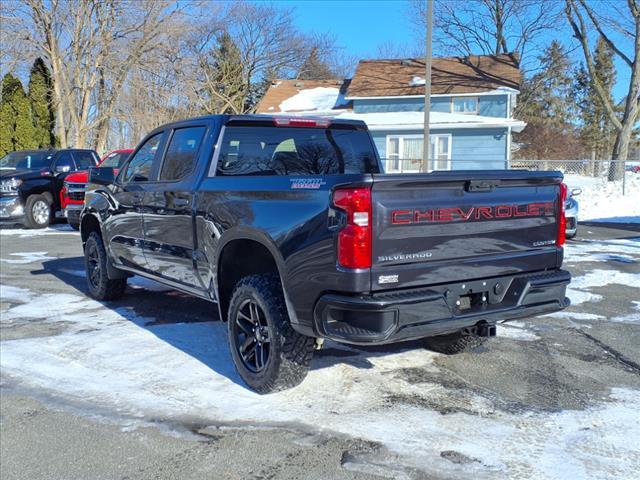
(84, 160)
(182, 153)
(265, 150)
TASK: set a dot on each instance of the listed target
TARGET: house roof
(405, 77)
(388, 121)
(303, 95)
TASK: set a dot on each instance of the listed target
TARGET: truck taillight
(354, 240)
(301, 122)
(562, 220)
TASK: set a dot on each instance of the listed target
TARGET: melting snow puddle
(108, 359)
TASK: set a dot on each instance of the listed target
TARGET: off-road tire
(32, 219)
(290, 353)
(101, 287)
(457, 342)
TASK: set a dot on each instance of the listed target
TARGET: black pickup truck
(289, 225)
(31, 181)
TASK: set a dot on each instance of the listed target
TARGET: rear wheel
(458, 342)
(38, 212)
(267, 352)
(101, 287)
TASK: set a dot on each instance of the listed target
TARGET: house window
(404, 153)
(464, 105)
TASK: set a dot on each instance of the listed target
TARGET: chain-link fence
(577, 172)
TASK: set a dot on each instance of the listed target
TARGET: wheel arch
(243, 253)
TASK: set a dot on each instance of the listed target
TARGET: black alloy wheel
(252, 338)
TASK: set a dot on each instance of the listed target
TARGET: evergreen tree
(41, 99)
(315, 69)
(548, 93)
(547, 105)
(7, 126)
(227, 87)
(597, 132)
(17, 123)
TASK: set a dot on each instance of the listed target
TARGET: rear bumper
(11, 209)
(394, 316)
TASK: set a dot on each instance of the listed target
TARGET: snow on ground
(60, 229)
(601, 200)
(114, 359)
(27, 257)
(622, 251)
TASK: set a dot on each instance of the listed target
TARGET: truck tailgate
(456, 226)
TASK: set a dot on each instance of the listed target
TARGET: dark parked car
(290, 226)
(32, 180)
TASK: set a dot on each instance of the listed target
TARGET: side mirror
(63, 169)
(575, 192)
(102, 175)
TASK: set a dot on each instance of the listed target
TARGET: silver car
(571, 212)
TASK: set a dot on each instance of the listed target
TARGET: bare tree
(267, 45)
(91, 46)
(489, 27)
(619, 27)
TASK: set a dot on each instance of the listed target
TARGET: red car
(72, 194)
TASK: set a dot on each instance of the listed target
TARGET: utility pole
(427, 89)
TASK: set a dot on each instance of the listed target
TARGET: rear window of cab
(300, 151)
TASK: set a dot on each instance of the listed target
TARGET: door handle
(180, 202)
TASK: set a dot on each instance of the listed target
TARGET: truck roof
(265, 119)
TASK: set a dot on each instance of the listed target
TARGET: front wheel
(38, 212)
(101, 287)
(267, 352)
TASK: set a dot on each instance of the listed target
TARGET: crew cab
(31, 181)
(290, 227)
(72, 193)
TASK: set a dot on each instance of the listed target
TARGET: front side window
(263, 150)
(182, 152)
(64, 163)
(465, 105)
(115, 160)
(141, 165)
(84, 160)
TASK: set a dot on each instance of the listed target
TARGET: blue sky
(361, 26)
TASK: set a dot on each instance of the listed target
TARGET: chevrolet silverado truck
(72, 192)
(292, 228)
(31, 181)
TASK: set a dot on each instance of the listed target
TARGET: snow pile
(603, 201)
(320, 99)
